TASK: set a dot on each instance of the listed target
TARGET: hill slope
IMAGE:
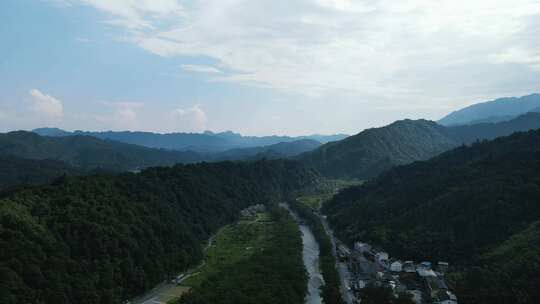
(475, 207)
(15, 171)
(89, 152)
(493, 111)
(373, 151)
(280, 150)
(104, 239)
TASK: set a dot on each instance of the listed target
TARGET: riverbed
(310, 254)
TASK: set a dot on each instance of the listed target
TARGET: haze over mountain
(279, 150)
(207, 142)
(475, 207)
(501, 109)
(373, 151)
(89, 152)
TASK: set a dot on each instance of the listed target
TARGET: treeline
(105, 239)
(330, 291)
(16, 171)
(89, 153)
(475, 207)
(275, 274)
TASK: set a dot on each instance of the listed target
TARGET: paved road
(343, 270)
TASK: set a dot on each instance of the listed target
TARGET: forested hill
(497, 110)
(376, 150)
(476, 207)
(104, 239)
(88, 152)
(15, 171)
(280, 150)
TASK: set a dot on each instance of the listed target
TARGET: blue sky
(258, 67)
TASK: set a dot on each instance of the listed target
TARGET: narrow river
(310, 253)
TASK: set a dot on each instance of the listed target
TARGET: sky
(259, 67)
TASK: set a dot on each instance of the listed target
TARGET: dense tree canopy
(16, 171)
(459, 207)
(104, 239)
(90, 153)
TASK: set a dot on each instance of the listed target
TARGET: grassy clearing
(315, 201)
(233, 244)
(339, 184)
(172, 294)
(257, 261)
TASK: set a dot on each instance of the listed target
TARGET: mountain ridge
(375, 150)
(474, 206)
(497, 110)
(207, 142)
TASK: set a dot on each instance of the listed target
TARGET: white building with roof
(396, 266)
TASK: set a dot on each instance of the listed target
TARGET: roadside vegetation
(330, 291)
(257, 260)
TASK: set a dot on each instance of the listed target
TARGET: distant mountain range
(207, 142)
(28, 158)
(475, 207)
(498, 110)
(373, 151)
(88, 152)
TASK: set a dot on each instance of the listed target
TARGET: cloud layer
(45, 105)
(191, 119)
(379, 49)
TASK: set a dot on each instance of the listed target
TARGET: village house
(396, 266)
(379, 256)
(362, 247)
(445, 297)
(424, 281)
(424, 265)
(442, 267)
(408, 266)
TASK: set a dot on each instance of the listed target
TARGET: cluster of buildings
(424, 281)
(253, 210)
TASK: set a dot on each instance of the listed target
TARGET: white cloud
(135, 14)
(124, 115)
(517, 56)
(410, 51)
(86, 40)
(45, 105)
(200, 68)
(191, 119)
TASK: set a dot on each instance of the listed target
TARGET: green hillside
(470, 206)
(88, 152)
(15, 171)
(104, 239)
(367, 154)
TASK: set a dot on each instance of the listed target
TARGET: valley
(91, 220)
